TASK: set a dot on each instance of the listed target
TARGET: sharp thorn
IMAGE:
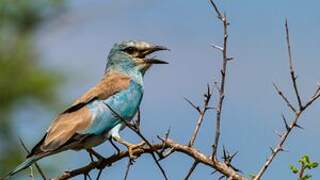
(233, 155)
(230, 58)
(225, 156)
(285, 122)
(192, 104)
(217, 47)
(298, 126)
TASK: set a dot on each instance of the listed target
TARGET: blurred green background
(22, 77)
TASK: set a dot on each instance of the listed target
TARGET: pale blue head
(132, 56)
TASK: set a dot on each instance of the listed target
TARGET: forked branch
(297, 113)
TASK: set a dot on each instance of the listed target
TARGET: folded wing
(78, 117)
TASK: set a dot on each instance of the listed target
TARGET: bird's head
(132, 54)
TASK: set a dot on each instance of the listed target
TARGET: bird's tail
(28, 162)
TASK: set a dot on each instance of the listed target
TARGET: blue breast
(125, 103)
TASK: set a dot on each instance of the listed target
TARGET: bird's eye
(130, 50)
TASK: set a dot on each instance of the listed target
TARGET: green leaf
(306, 177)
(294, 169)
(314, 165)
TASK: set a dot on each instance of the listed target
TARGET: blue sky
(77, 43)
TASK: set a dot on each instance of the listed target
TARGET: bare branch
(223, 19)
(284, 98)
(292, 72)
(128, 168)
(294, 123)
(278, 148)
(184, 149)
(193, 167)
(202, 113)
(312, 99)
(99, 174)
(197, 108)
(220, 16)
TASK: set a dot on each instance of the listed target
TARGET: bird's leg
(116, 147)
(116, 136)
(94, 153)
(130, 146)
(91, 156)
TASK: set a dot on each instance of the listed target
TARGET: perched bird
(91, 119)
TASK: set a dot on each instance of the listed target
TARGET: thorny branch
(292, 72)
(284, 98)
(202, 113)
(223, 18)
(297, 114)
(168, 144)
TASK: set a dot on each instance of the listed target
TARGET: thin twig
(35, 164)
(202, 113)
(99, 174)
(128, 168)
(88, 175)
(216, 9)
(312, 99)
(225, 58)
(197, 108)
(292, 72)
(284, 98)
(193, 167)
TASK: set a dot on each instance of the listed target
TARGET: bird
(98, 114)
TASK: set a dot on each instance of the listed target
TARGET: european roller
(90, 121)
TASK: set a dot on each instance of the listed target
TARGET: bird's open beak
(152, 50)
(154, 61)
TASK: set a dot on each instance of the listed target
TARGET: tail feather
(28, 162)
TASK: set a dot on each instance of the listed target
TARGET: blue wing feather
(125, 103)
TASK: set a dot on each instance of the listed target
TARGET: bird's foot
(132, 147)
